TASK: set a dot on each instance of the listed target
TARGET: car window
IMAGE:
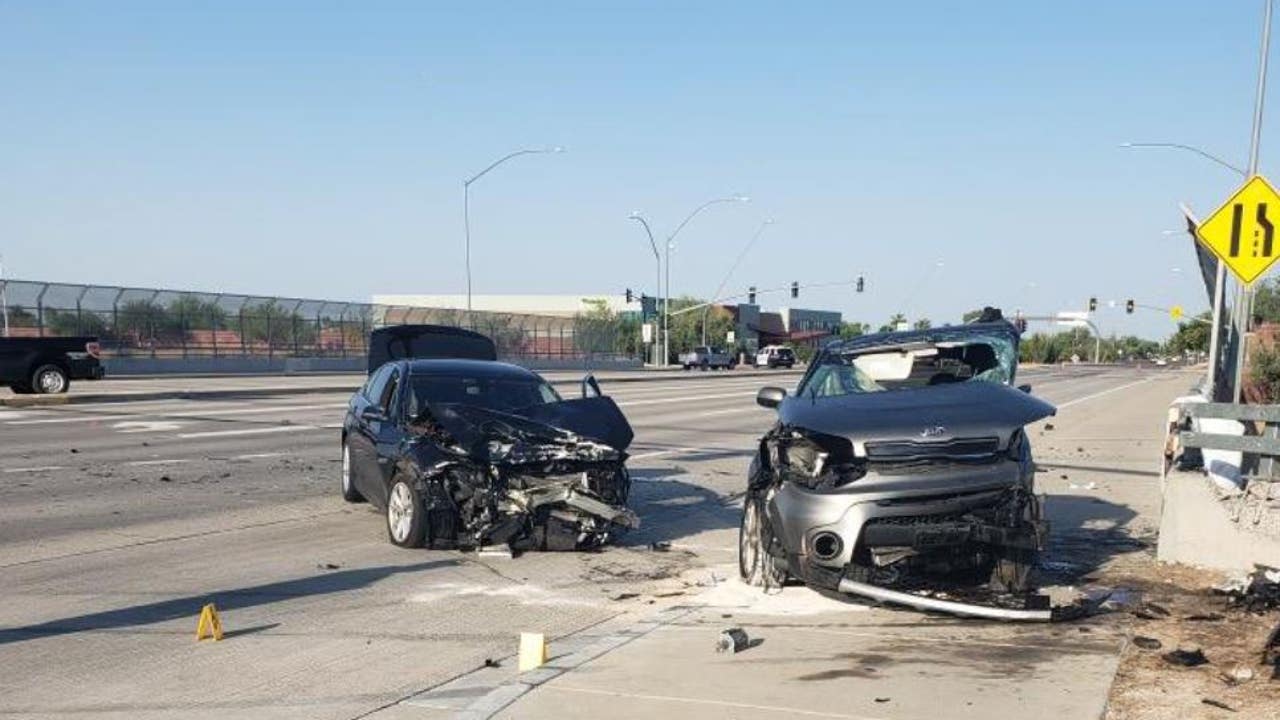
(388, 394)
(377, 382)
(504, 394)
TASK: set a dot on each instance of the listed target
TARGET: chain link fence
(157, 323)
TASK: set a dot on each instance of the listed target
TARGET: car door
(388, 431)
(361, 439)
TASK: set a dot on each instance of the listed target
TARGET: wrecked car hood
(930, 414)
(591, 429)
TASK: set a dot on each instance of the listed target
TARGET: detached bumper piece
(951, 607)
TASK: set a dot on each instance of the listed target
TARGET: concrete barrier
(1199, 525)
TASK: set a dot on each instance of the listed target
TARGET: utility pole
(1244, 296)
(4, 301)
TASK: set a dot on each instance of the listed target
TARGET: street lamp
(466, 201)
(666, 305)
(714, 296)
(1189, 148)
(658, 260)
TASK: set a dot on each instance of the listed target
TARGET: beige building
(554, 305)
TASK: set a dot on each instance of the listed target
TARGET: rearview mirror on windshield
(770, 397)
(590, 387)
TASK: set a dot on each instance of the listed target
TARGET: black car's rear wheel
(349, 492)
(49, 379)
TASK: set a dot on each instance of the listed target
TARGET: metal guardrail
(1264, 448)
(167, 323)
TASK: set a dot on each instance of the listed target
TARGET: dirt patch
(1233, 682)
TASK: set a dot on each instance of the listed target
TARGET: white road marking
(256, 456)
(144, 463)
(43, 468)
(773, 709)
(248, 431)
(257, 410)
(687, 398)
(1118, 388)
(660, 453)
(140, 426)
(77, 419)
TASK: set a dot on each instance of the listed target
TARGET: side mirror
(590, 387)
(770, 397)
(1025, 388)
(373, 413)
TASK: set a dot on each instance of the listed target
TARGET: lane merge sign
(1242, 232)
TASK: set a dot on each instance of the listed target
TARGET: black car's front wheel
(50, 380)
(349, 492)
(406, 525)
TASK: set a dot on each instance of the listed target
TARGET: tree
(686, 328)
(922, 324)
(853, 329)
(971, 315)
(892, 325)
(1192, 335)
(1266, 301)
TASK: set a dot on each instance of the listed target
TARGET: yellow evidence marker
(533, 651)
(210, 624)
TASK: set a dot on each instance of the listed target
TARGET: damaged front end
(920, 496)
(490, 478)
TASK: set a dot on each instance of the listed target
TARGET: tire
(349, 491)
(405, 522)
(49, 379)
(756, 566)
(704, 366)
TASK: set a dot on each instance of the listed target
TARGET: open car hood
(962, 410)
(397, 342)
(585, 429)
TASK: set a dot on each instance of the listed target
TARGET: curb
(234, 393)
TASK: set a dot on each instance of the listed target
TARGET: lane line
(691, 398)
(249, 431)
(256, 456)
(78, 419)
(775, 709)
(34, 469)
(145, 463)
(1118, 388)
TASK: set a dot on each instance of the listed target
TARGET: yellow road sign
(1242, 232)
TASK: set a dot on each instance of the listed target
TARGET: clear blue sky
(318, 149)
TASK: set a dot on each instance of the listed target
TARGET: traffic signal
(751, 295)
(861, 284)
(630, 297)
(1093, 304)
(1128, 306)
(795, 289)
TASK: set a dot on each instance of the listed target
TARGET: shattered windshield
(909, 366)
(503, 394)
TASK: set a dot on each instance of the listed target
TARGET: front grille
(909, 450)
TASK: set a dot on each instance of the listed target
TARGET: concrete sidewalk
(828, 658)
(170, 387)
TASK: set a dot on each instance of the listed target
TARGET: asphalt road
(119, 520)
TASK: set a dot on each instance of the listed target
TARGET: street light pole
(658, 286)
(4, 301)
(1220, 277)
(666, 306)
(738, 261)
(466, 202)
(1244, 295)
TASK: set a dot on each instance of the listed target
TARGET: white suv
(772, 356)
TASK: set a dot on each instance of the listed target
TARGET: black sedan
(465, 452)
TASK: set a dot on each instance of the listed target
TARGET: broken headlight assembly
(1017, 446)
(812, 460)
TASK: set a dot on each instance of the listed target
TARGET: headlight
(812, 460)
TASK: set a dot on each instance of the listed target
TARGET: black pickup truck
(47, 365)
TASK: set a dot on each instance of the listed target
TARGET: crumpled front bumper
(924, 510)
